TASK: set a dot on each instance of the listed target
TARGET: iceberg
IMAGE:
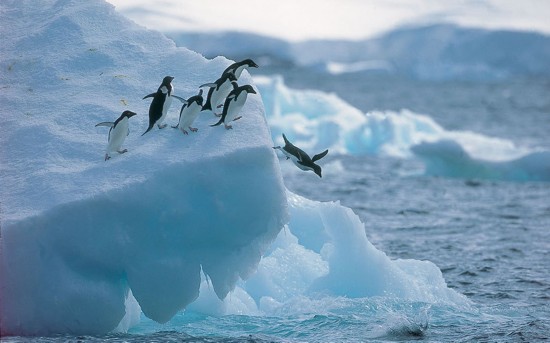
(178, 221)
(79, 233)
(317, 120)
(447, 158)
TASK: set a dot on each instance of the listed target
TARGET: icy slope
(77, 232)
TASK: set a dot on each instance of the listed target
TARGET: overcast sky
(348, 19)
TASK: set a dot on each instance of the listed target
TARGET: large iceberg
(178, 221)
(77, 232)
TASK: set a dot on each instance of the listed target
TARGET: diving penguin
(233, 104)
(218, 91)
(117, 133)
(238, 67)
(300, 158)
(189, 111)
(160, 105)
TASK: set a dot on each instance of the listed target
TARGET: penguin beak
(252, 91)
(254, 65)
(131, 114)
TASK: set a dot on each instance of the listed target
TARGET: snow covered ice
(177, 221)
(77, 232)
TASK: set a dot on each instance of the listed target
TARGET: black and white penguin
(189, 112)
(218, 91)
(160, 105)
(238, 67)
(300, 158)
(117, 133)
(233, 104)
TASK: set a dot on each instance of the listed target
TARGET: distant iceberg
(427, 52)
(317, 120)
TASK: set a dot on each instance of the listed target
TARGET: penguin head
(249, 89)
(198, 98)
(250, 63)
(167, 79)
(316, 169)
(128, 114)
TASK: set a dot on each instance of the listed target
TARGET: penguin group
(224, 93)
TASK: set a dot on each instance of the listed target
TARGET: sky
(299, 20)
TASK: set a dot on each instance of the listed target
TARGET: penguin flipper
(149, 96)
(219, 122)
(300, 158)
(105, 123)
(286, 140)
(209, 85)
(183, 101)
(319, 156)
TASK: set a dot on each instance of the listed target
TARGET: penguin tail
(219, 122)
(149, 129)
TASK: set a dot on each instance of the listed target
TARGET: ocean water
(490, 239)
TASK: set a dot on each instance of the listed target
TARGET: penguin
(218, 91)
(117, 133)
(300, 158)
(160, 105)
(189, 111)
(238, 67)
(233, 104)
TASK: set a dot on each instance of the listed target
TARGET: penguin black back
(157, 108)
(237, 67)
(215, 87)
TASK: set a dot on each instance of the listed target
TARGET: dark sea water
(491, 239)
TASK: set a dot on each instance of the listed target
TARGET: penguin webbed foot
(107, 157)
(228, 127)
(122, 151)
(162, 126)
(184, 131)
(193, 129)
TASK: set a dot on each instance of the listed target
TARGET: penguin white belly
(189, 115)
(219, 95)
(117, 135)
(166, 105)
(235, 107)
(239, 71)
(294, 160)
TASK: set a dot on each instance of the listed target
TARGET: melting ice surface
(178, 221)
(316, 120)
